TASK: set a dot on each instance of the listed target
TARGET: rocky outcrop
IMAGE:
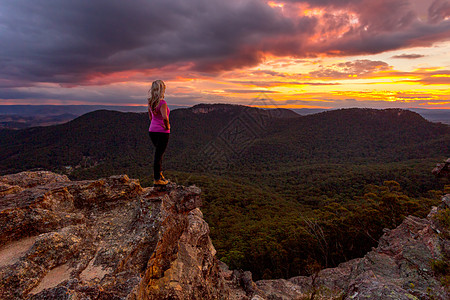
(104, 239)
(442, 169)
(399, 268)
(112, 239)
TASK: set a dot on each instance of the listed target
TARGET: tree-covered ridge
(300, 190)
(119, 141)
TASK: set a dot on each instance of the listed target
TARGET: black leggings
(160, 140)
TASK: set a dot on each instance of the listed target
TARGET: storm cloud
(70, 41)
(408, 56)
(73, 42)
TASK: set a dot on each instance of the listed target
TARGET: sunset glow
(301, 54)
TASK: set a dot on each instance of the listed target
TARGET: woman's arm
(165, 116)
(149, 114)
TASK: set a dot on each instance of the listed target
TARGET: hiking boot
(160, 181)
(162, 176)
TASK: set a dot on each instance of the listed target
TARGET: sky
(299, 54)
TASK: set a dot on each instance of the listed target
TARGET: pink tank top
(157, 123)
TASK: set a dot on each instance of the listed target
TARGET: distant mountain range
(232, 134)
(434, 115)
(52, 110)
(24, 116)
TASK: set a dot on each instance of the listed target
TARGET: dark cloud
(385, 15)
(408, 56)
(249, 91)
(72, 42)
(369, 27)
(324, 3)
(268, 72)
(66, 96)
(401, 102)
(272, 83)
(66, 41)
(355, 68)
(438, 11)
(441, 77)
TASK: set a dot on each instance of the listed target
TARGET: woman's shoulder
(163, 104)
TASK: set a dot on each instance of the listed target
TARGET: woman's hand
(166, 124)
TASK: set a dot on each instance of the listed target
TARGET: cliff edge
(103, 239)
(112, 239)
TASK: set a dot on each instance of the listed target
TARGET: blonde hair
(155, 94)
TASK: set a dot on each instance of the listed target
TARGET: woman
(159, 130)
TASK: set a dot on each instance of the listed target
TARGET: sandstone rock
(446, 200)
(6, 189)
(103, 239)
(30, 179)
(235, 284)
(442, 169)
(183, 265)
